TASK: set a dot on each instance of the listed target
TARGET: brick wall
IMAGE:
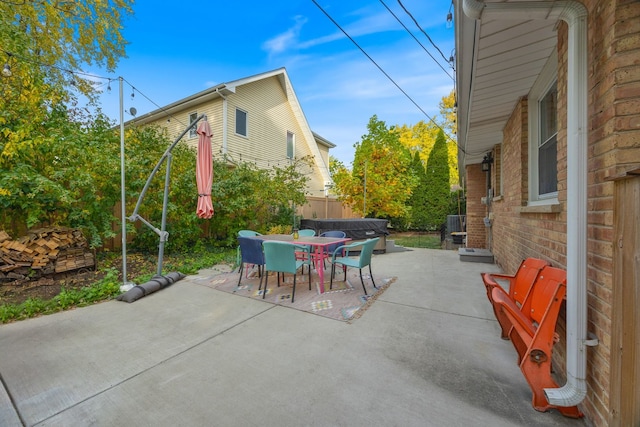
(476, 211)
(613, 148)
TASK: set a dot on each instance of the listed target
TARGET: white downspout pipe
(224, 122)
(575, 15)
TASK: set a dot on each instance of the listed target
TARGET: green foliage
(418, 200)
(46, 141)
(193, 261)
(245, 197)
(422, 136)
(458, 203)
(380, 182)
(71, 179)
(145, 147)
(419, 241)
(280, 229)
(105, 289)
(46, 43)
(437, 190)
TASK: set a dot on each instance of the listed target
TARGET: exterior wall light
(486, 162)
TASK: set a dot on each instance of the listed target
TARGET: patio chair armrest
(303, 248)
(345, 248)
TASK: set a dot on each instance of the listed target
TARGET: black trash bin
(358, 229)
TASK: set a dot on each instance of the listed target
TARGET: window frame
(246, 123)
(291, 145)
(539, 91)
(193, 132)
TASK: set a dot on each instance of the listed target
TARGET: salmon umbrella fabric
(204, 171)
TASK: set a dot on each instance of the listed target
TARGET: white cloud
(286, 40)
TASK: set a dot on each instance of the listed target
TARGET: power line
(164, 110)
(414, 37)
(423, 31)
(386, 75)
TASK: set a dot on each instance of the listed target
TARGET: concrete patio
(426, 353)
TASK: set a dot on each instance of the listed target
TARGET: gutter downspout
(224, 122)
(575, 15)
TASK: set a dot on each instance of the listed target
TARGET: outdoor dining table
(317, 244)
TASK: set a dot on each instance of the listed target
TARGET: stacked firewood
(42, 252)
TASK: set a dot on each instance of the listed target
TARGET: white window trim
(547, 77)
(235, 124)
(293, 144)
(193, 132)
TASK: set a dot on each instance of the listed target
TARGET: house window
(241, 122)
(193, 132)
(543, 136)
(290, 144)
(548, 142)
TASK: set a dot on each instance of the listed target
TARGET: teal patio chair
(280, 257)
(248, 233)
(306, 233)
(302, 256)
(331, 248)
(251, 254)
(341, 256)
(244, 233)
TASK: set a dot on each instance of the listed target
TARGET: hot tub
(358, 229)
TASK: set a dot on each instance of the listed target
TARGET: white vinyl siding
(241, 122)
(193, 131)
(290, 145)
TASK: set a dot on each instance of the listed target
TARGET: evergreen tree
(437, 192)
(418, 200)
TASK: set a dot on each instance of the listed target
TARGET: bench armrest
(510, 308)
(489, 279)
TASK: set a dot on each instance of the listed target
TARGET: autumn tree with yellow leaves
(46, 139)
(380, 181)
(392, 174)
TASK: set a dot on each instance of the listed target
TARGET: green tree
(46, 44)
(245, 197)
(438, 191)
(418, 200)
(380, 181)
(422, 136)
(67, 180)
(46, 142)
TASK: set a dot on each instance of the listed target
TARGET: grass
(427, 241)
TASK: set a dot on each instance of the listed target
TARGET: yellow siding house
(256, 119)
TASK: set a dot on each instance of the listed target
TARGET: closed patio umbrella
(204, 171)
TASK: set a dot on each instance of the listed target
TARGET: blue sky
(178, 49)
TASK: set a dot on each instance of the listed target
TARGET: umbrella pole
(135, 216)
(123, 198)
(163, 234)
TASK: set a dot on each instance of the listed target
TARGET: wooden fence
(315, 208)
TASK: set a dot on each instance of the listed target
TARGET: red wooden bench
(533, 333)
(520, 284)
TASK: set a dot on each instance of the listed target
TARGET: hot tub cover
(355, 228)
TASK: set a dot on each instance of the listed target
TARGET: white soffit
(509, 56)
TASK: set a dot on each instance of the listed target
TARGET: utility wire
(154, 103)
(418, 41)
(423, 31)
(387, 75)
